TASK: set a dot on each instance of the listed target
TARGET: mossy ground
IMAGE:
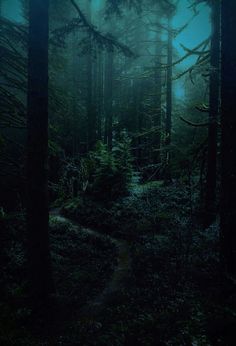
(170, 296)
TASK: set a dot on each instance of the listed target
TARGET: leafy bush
(109, 173)
(102, 174)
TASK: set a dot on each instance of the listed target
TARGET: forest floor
(135, 271)
(120, 273)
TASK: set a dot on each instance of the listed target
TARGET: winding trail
(121, 272)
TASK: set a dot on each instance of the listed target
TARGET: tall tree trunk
(40, 274)
(210, 198)
(99, 94)
(158, 104)
(139, 124)
(228, 164)
(136, 119)
(91, 114)
(99, 81)
(168, 123)
(109, 98)
(73, 64)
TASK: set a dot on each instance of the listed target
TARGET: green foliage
(171, 261)
(147, 210)
(109, 173)
(123, 160)
(104, 173)
(79, 257)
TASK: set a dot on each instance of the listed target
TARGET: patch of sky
(11, 9)
(198, 30)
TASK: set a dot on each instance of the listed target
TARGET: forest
(117, 172)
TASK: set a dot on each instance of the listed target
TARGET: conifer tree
(37, 152)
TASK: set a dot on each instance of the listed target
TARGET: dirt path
(120, 274)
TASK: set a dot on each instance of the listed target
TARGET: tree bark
(91, 113)
(40, 274)
(158, 103)
(109, 98)
(211, 177)
(228, 164)
(168, 122)
(100, 97)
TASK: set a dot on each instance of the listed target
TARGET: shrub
(109, 172)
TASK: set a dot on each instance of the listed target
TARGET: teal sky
(198, 30)
(11, 9)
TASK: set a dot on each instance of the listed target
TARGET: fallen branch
(188, 122)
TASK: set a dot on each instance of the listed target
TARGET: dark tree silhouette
(168, 121)
(158, 99)
(210, 200)
(91, 113)
(228, 188)
(108, 94)
(37, 152)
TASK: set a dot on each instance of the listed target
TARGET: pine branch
(188, 122)
(105, 41)
(189, 53)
